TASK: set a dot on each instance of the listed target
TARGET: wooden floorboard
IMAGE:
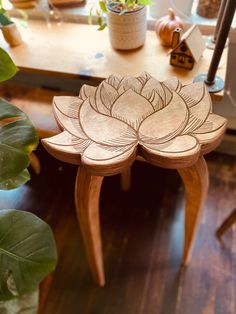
(142, 234)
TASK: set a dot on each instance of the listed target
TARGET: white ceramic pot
(182, 8)
(127, 31)
(11, 34)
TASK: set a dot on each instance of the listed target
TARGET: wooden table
(107, 127)
(80, 51)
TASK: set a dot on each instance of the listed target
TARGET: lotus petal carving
(166, 122)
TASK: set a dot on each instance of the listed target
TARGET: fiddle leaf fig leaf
(7, 66)
(17, 140)
(27, 252)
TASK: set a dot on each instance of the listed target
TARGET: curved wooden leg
(87, 192)
(196, 181)
(125, 179)
(229, 221)
(34, 163)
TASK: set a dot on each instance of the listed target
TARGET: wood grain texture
(36, 103)
(196, 184)
(106, 127)
(87, 195)
(195, 42)
(187, 50)
(91, 55)
(35, 163)
(24, 5)
(125, 179)
(227, 223)
(142, 232)
(67, 3)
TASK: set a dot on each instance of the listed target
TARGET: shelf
(80, 51)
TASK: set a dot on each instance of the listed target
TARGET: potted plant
(208, 8)
(126, 21)
(27, 246)
(9, 29)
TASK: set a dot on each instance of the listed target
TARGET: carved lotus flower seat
(107, 127)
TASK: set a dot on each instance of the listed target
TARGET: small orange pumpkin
(165, 27)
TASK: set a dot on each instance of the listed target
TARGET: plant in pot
(126, 21)
(27, 246)
(9, 29)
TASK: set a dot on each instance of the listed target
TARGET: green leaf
(145, 2)
(7, 67)
(12, 162)
(17, 140)
(131, 3)
(15, 182)
(102, 6)
(90, 16)
(19, 134)
(99, 21)
(102, 26)
(4, 20)
(27, 252)
(8, 110)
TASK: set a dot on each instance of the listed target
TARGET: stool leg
(87, 192)
(34, 163)
(195, 179)
(125, 179)
(229, 221)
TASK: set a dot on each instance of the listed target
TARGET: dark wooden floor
(142, 239)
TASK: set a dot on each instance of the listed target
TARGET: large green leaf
(7, 67)
(9, 111)
(12, 161)
(17, 139)
(27, 252)
(19, 134)
(25, 304)
(13, 183)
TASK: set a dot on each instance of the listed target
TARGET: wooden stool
(227, 223)
(107, 127)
